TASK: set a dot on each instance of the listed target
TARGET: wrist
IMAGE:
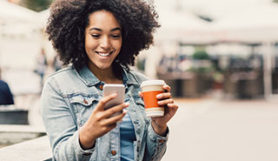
(85, 141)
(159, 129)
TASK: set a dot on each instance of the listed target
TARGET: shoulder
(63, 76)
(63, 73)
(137, 76)
(65, 82)
(3, 83)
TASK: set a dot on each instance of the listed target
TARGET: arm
(60, 126)
(156, 144)
(68, 143)
(157, 129)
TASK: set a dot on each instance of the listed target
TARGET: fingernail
(124, 111)
(159, 96)
(127, 103)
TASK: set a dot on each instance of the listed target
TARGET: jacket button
(85, 101)
(101, 87)
(161, 141)
(113, 152)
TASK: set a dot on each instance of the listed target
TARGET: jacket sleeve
(156, 145)
(61, 126)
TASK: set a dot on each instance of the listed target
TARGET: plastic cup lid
(152, 82)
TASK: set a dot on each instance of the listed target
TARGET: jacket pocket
(139, 102)
(83, 106)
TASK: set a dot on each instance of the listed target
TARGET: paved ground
(214, 129)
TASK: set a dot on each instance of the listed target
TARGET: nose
(105, 42)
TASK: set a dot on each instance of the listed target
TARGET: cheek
(118, 45)
(87, 44)
(87, 49)
(90, 44)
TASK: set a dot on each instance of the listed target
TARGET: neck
(105, 75)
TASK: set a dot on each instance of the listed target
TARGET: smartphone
(108, 89)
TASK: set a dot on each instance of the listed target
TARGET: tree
(36, 5)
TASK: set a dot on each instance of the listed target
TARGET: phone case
(108, 89)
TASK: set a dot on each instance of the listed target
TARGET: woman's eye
(95, 35)
(116, 36)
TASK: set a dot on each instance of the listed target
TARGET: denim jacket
(68, 99)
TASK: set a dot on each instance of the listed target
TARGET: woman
(98, 39)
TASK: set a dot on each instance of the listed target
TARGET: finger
(172, 108)
(104, 100)
(140, 94)
(167, 88)
(165, 102)
(109, 127)
(114, 119)
(115, 109)
(172, 105)
(164, 95)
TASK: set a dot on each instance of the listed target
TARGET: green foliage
(200, 55)
(201, 61)
(36, 5)
(275, 1)
(202, 70)
(141, 64)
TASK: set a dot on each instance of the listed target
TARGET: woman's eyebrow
(115, 29)
(98, 29)
(95, 28)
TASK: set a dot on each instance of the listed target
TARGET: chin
(103, 67)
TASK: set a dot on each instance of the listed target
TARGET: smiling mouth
(104, 54)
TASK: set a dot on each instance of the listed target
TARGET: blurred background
(220, 58)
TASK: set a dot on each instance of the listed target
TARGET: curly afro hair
(69, 18)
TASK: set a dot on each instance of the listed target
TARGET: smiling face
(103, 39)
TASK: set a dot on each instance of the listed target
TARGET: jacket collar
(91, 80)
(128, 77)
(87, 76)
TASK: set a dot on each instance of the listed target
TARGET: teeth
(104, 54)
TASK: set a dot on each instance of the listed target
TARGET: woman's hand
(159, 124)
(100, 122)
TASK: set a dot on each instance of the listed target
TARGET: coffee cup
(150, 89)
